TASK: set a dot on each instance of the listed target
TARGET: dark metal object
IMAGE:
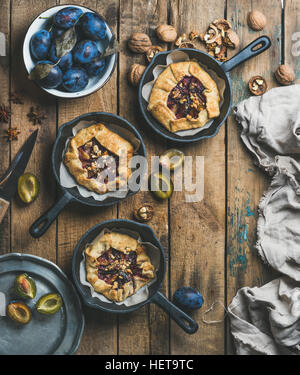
(9, 181)
(188, 324)
(222, 70)
(40, 226)
(56, 334)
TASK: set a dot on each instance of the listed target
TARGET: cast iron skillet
(181, 318)
(40, 226)
(258, 46)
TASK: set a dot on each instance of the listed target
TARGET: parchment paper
(174, 57)
(142, 294)
(68, 181)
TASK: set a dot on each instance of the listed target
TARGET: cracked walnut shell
(144, 213)
(152, 51)
(166, 33)
(135, 73)
(139, 42)
(285, 74)
(257, 20)
(231, 39)
(257, 85)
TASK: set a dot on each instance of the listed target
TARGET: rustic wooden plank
(100, 335)
(292, 35)
(246, 183)
(147, 330)
(4, 99)
(23, 12)
(197, 229)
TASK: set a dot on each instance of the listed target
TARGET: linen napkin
(266, 320)
(271, 132)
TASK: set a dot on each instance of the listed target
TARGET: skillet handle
(41, 225)
(247, 53)
(184, 321)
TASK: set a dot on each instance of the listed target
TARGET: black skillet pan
(258, 46)
(40, 226)
(181, 318)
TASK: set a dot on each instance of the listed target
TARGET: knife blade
(8, 184)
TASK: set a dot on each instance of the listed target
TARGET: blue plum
(95, 67)
(67, 17)
(66, 61)
(93, 26)
(188, 297)
(75, 79)
(55, 32)
(39, 44)
(53, 79)
(85, 51)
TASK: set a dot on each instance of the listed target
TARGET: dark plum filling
(118, 267)
(96, 158)
(186, 99)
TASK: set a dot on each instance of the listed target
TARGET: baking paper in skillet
(174, 57)
(142, 294)
(68, 181)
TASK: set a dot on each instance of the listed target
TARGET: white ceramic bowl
(95, 83)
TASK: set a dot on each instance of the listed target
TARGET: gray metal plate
(57, 334)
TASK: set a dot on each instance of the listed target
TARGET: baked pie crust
(117, 266)
(97, 149)
(184, 96)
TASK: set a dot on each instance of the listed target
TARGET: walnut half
(144, 213)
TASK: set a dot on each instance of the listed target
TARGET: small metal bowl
(95, 83)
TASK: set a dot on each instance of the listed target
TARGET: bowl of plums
(69, 51)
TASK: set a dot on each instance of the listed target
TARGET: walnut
(285, 74)
(144, 213)
(135, 73)
(166, 33)
(222, 24)
(152, 51)
(257, 85)
(139, 42)
(212, 35)
(182, 38)
(257, 20)
(231, 39)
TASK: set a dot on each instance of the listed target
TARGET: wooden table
(209, 244)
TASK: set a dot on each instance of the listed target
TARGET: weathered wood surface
(208, 244)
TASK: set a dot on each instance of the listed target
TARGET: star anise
(36, 115)
(12, 134)
(16, 98)
(4, 113)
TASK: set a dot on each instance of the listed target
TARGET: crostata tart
(184, 96)
(94, 157)
(117, 266)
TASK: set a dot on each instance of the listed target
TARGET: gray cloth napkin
(266, 320)
(271, 132)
